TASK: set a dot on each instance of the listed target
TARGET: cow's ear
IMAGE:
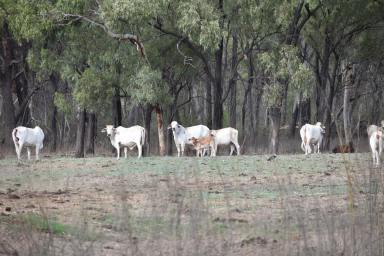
(104, 130)
(169, 127)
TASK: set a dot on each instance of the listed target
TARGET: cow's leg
(29, 153)
(125, 152)
(178, 150)
(182, 146)
(37, 152)
(19, 151)
(232, 149)
(118, 153)
(139, 150)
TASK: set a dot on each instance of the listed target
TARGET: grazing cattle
(28, 137)
(126, 137)
(226, 136)
(311, 135)
(344, 149)
(376, 143)
(203, 143)
(181, 135)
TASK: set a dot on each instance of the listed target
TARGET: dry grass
(294, 205)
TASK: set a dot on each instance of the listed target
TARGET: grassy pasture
(295, 204)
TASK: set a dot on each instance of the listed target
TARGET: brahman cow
(126, 137)
(28, 137)
(376, 143)
(226, 136)
(311, 135)
(181, 135)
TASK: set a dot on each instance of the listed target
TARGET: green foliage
(147, 86)
(89, 89)
(44, 224)
(62, 103)
(284, 68)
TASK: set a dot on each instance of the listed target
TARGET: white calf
(226, 136)
(28, 137)
(311, 135)
(181, 135)
(376, 143)
(126, 137)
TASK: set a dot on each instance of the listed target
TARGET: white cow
(226, 136)
(126, 137)
(181, 135)
(28, 137)
(376, 143)
(311, 135)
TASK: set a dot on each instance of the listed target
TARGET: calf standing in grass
(28, 137)
(204, 143)
(126, 137)
(376, 143)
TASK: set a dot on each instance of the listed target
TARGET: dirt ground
(246, 205)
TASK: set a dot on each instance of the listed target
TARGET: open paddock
(323, 204)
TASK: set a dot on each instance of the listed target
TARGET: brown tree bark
(217, 121)
(147, 125)
(116, 108)
(274, 115)
(232, 83)
(80, 134)
(54, 83)
(8, 109)
(208, 103)
(348, 82)
(160, 129)
(91, 133)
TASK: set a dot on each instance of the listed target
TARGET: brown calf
(203, 143)
(344, 149)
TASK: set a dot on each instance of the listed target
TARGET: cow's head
(193, 140)
(173, 125)
(321, 126)
(110, 130)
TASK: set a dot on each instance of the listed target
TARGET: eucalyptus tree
(329, 35)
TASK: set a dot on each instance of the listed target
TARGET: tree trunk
(304, 112)
(208, 102)
(275, 117)
(217, 122)
(54, 129)
(8, 109)
(147, 125)
(54, 83)
(80, 133)
(116, 108)
(232, 83)
(91, 133)
(160, 129)
(348, 81)
(295, 114)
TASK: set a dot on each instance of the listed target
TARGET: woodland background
(263, 67)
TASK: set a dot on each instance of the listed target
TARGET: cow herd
(200, 137)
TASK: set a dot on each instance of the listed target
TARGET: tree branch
(134, 39)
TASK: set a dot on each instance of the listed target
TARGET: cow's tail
(14, 135)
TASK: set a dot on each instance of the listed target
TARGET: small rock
(327, 173)
(17, 184)
(8, 209)
(30, 206)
